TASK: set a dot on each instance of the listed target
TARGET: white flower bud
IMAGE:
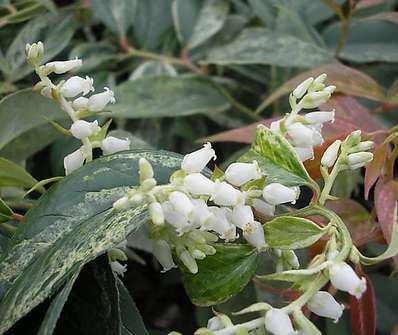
(304, 153)
(278, 322)
(176, 219)
(323, 304)
(240, 173)
(276, 194)
(98, 102)
(201, 214)
(343, 277)
(225, 194)
(315, 99)
(34, 51)
(362, 146)
(122, 203)
(320, 79)
(189, 261)
(197, 160)
(291, 258)
(118, 268)
(73, 161)
(301, 135)
(198, 184)
(359, 159)
(319, 117)
(302, 88)
(162, 252)
(181, 202)
(156, 213)
(77, 85)
(254, 234)
(331, 153)
(263, 207)
(330, 89)
(242, 216)
(145, 169)
(215, 323)
(276, 126)
(80, 103)
(219, 223)
(60, 67)
(81, 129)
(110, 145)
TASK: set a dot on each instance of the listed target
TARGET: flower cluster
(72, 98)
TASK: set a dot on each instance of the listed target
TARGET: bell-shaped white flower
(77, 85)
(220, 223)
(60, 67)
(73, 161)
(343, 277)
(197, 160)
(162, 252)
(215, 323)
(254, 234)
(315, 99)
(98, 102)
(276, 194)
(323, 304)
(118, 268)
(201, 214)
(359, 159)
(301, 135)
(122, 203)
(175, 218)
(198, 184)
(242, 216)
(302, 88)
(331, 153)
(181, 202)
(80, 103)
(240, 173)
(110, 145)
(81, 128)
(226, 195)
(304, 153)
(278, 322)
(145, 169)
(320, 117)
(156, 213)
(263, 207)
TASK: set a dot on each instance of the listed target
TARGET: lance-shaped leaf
(6, 213)
(288, 232)
(222, 275)
(12, 174)
(277, 159)
(71, 225)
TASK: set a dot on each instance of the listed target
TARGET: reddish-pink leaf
(369, 3)
(375, 168)
(386, 16)
(363, 311)
(386, 198)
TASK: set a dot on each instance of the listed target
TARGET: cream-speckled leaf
(262, 46)
(72, 224)
(210, 21)
(276, 158)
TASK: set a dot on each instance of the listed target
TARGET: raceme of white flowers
(71, 94)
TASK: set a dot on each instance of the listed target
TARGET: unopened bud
(302, 88)
(156, 213)
(330, 155)
(315, 99)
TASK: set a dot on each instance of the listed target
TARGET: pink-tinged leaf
(363, 311)
(392, 95)
(347, 80)
(375, 168)
(386, 198)
(386, 16)
(368, 3)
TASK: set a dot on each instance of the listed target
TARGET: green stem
(250, 325)
(329, 181)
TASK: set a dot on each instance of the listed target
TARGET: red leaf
(375, 168)
(363, 311)
(386, 198)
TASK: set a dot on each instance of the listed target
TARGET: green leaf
(6, 213)
(153, 69)
(167, 96)
(286, 232)
(276, 158)
(262, 46)
(211, 19)
(12, 174)
(222, 275)
(184, 13)
(71, 224)
(117, 15)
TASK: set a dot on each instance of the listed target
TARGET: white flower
(176, 219)
(263, 207)
(197, 160)
(276, 194)
(73, 161)
(254, 234)
(80, 103)
(97, 102)
(77, 85)
(304, 153)
(122, 203)
(242, 216)
(359, 159)
(81, 128)
(278, 322)
(181, 202)
(219, 222)
(343, 277)
(319, 117)
(111, 144)
(118, 268)
(34, 51)
(201, 214)
(363, 146)
(198, 184)
(320, 79)
(215, 323)
(323, 304)
(315, 99)
(240, 173)
(162, 252)
(302, 88)
(225, 194)
(145, 169)
(276, 126)
(301, 135)
(156, 213)
(331, 153)
(188, 261)
(60, 67)
(330, 89)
